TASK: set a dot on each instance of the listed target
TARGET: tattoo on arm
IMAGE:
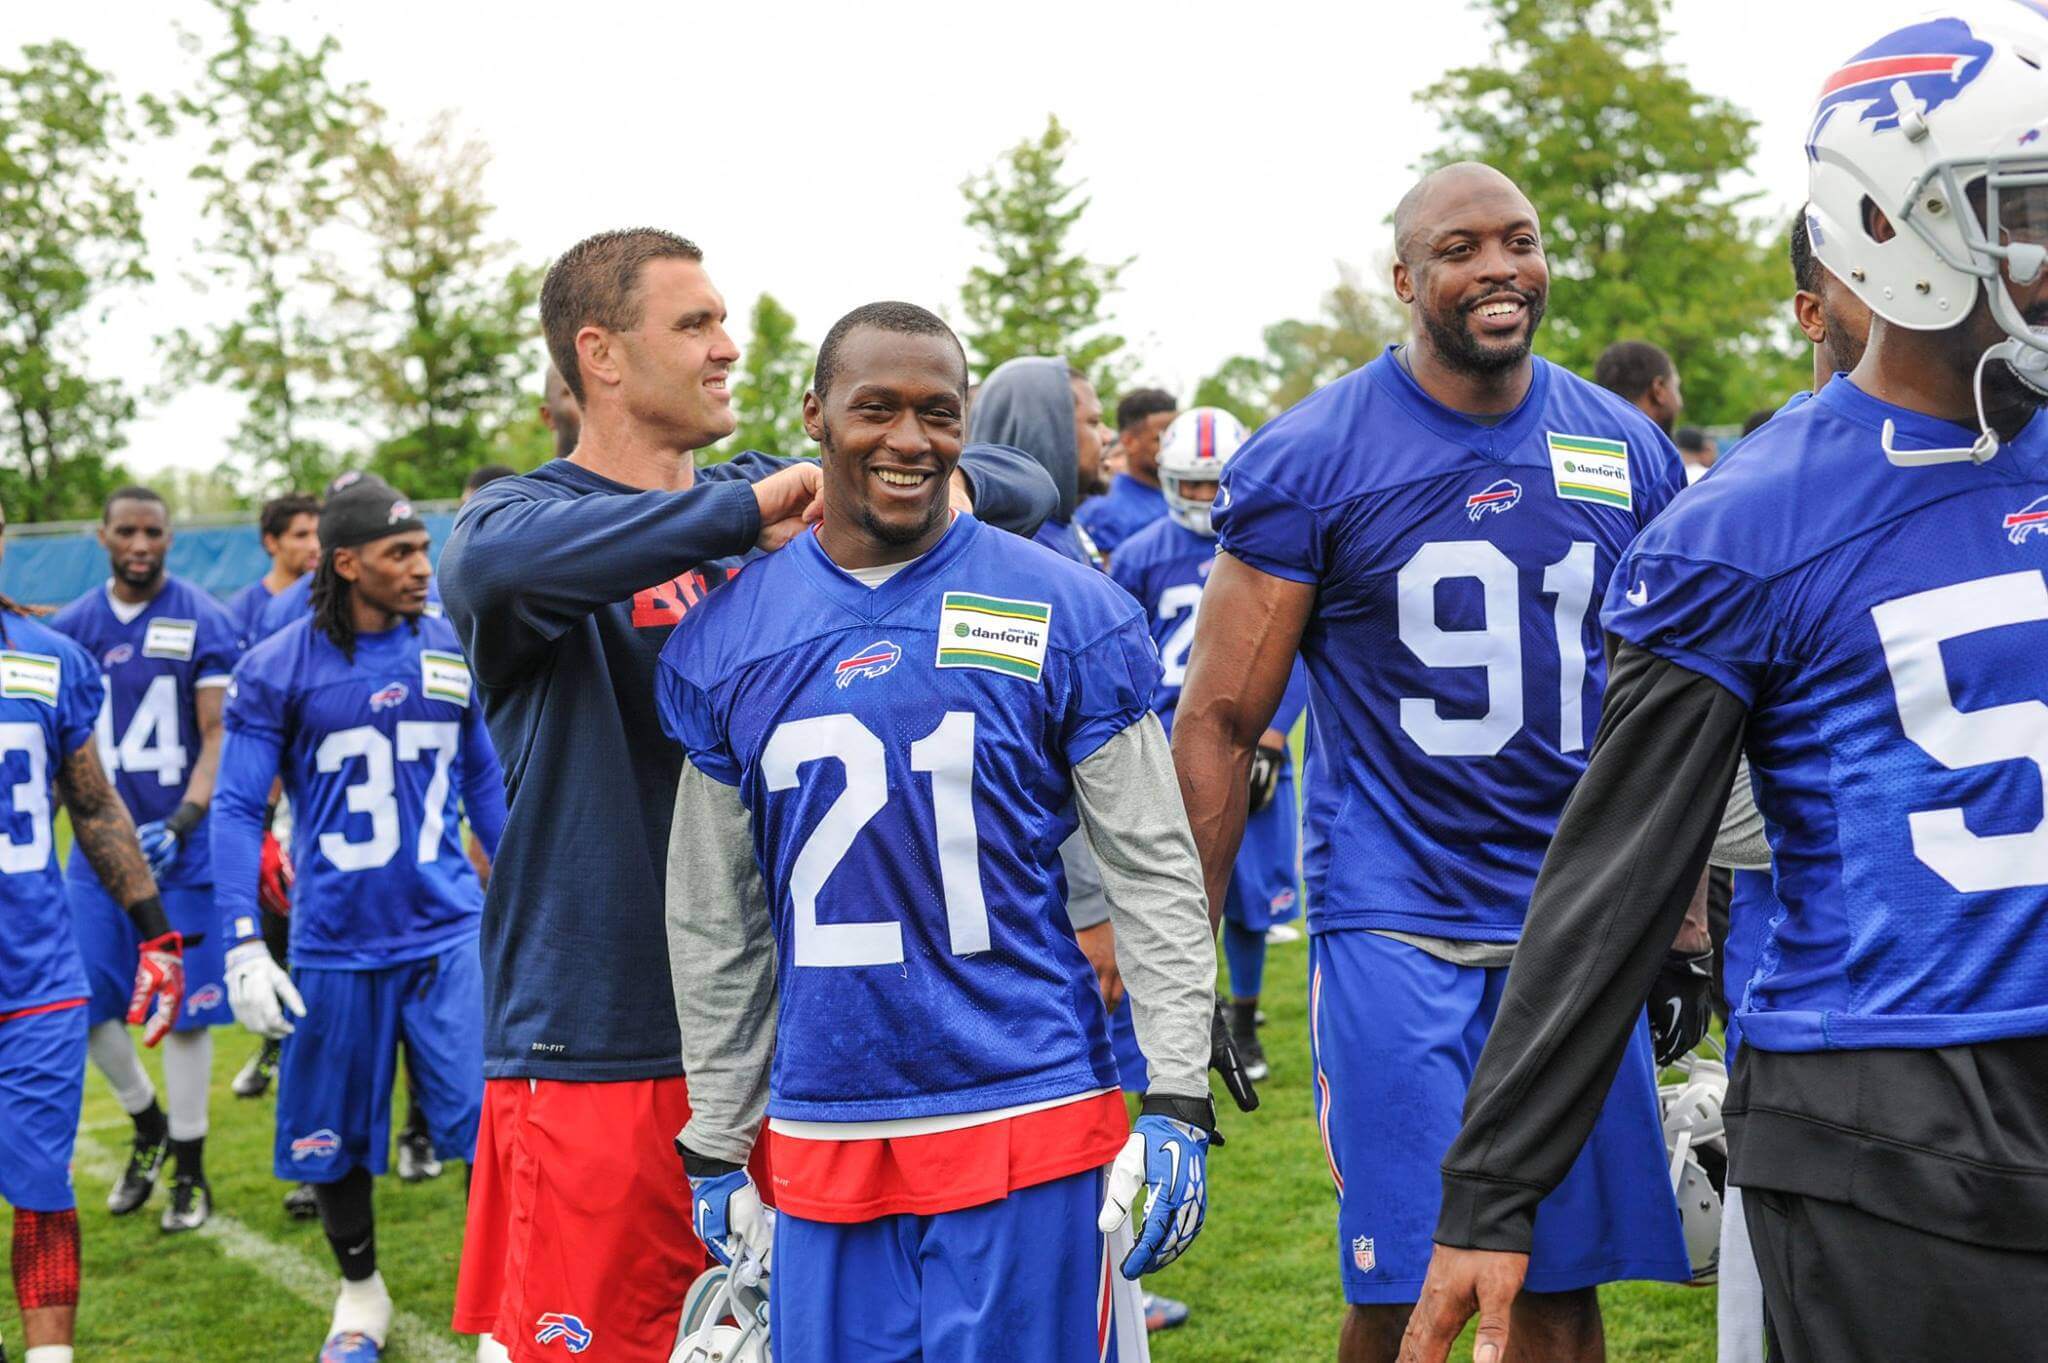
(102, 828)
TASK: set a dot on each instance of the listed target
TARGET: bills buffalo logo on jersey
(871, 661)
(1494, 498)
(389, 697)
(1362, 1256)
(560, 1325)
(319, 1145)
(118, 654)
(2031, 519)
(1935, 61)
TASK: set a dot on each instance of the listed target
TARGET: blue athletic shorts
(1265, 882)
(1023, 1278)
(1395, 1034)
(108, 944)
(335, 1073)
(42, 1084)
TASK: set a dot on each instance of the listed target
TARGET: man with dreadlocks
(364, 707)
(49, 701)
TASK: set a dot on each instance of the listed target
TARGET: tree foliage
(1628, 163)
(279, 127)
(442, 321)
(1356, 323)
(1034, 294)
(768, 389)
(70, 232)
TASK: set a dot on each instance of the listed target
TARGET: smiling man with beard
(1432, 534)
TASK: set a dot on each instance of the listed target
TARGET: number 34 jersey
(381, 755)
(905, 753)
(154, 663)
(1888, 628)
(1454, 658)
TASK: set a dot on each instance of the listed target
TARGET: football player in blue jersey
(50, 700)
(1857, 599)
(867, 932)
(365, 709)
(1431, 534)
(1165, 565)
(1134, 499)
(165, 650)
(289, 527)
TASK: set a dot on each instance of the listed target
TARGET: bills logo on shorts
(2028, 520)
(205, 997)
(389, 697)
(1362, 1255)
(560, 1325)
(1494, 498)
(871, 661)
(1281, 902)
(319, 1145)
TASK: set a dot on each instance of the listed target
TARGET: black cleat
(300, 1204)
(253, 1079)
(191, 1205)
(138, 1180)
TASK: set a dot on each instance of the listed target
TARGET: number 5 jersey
(382, 754)
(1455, 662)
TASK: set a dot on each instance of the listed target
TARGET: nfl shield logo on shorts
(1362, 1255)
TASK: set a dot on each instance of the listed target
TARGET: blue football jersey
(246, 609)
(906, 755)
(1128, 507)
(1165, 566)
(1886, 626)
(381, 756)
(1453, 653)
(154, 665)
(49, 702)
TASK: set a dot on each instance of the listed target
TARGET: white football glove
(260, 992)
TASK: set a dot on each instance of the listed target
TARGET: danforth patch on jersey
(30, 676)
(993, 634)
(170, 638)
(1589, 469)
(444, 676)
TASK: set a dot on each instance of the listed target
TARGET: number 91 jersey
(905, 754)
(1454, 660)
(1887, 626)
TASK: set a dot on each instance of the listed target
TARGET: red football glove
(274, 878)
(159, 973)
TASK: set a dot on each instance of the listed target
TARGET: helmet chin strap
(2029, 363)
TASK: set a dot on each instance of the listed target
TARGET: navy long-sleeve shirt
(564, 586)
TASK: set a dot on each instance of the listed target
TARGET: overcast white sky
(815, 150)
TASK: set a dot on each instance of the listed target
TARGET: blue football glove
(1168, 1159)
(160, 843)
(727, 1214)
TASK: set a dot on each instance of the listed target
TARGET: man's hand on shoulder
(789, 502)
(1460, 1284)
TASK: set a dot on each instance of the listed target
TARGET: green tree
(70, 231)
(1628, 164)
(1356, 323)
(1035, 295)
(768, 391)
(444, 319)
(278, 125)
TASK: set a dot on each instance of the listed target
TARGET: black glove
(1681, 1004)
(1224, 1060)
(1265, 775)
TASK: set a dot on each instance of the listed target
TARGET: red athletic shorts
(579, 1221)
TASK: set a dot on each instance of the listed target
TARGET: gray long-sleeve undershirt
(722, 949)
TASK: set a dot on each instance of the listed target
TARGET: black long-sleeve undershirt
(1615, 884)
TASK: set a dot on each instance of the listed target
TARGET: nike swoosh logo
(1173, 1171)
(1677, 1014)
(1639, 595)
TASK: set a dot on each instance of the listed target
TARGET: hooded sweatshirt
(1028, 403)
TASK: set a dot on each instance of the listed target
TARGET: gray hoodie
(1029, 403)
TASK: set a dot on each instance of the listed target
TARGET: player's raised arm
(1246, 640)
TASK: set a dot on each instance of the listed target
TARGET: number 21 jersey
(905, 755)
(1453, 646)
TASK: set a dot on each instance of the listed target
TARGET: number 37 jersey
(905, 753)
(1453, 650)
(1888, 628)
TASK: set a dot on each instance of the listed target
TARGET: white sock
(364, 1307)
(48, 1353)
(488, 1350)
(113, 1050)
(188, 1068)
